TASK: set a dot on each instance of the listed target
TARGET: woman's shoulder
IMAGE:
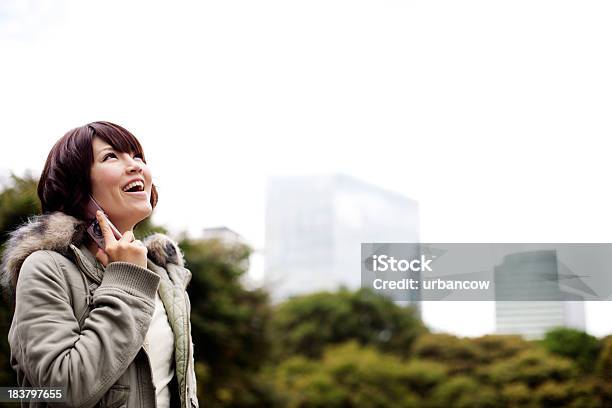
(46, 262)
(166, 253)
(47, 257)
(163, 250)
(42, 241)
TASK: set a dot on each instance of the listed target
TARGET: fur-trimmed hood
(56, 232)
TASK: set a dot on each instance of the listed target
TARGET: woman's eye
(138, 156)
(109, 155)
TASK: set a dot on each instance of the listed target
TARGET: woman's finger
(109, 238)
(102, 257)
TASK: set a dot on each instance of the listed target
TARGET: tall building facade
(525, 277)
(315, 225)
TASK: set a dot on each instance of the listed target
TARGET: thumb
(102, 257)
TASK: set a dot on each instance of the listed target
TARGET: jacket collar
(66, 234)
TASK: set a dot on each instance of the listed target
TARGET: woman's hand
(126, 249)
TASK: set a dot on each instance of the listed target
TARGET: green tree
(230, 325)
(573, 344)
(516, 395)
(18, 202)
(603, 371)
(604, 362)
(495, 347)
(307, 324)
(351, 375)
(462, 355)
(464, 392)
(531, 367)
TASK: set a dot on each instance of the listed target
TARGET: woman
(110, 325)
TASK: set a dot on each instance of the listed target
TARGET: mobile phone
(94, 230)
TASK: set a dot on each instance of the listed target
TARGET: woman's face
(121, 184)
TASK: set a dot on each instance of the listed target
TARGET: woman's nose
(134, 166)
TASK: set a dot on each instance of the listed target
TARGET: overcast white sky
(494, 116)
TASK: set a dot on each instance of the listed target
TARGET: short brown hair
(65, 183)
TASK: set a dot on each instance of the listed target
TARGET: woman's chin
(142, 212)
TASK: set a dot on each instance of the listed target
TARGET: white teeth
(134, 184)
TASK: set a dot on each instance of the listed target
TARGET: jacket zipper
(150, 373)
(187, 396)
(188, 384)
(89, 294)
(86, 270)
(190, 388)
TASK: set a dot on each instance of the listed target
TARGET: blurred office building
(530, 300)
(223, 234)
(315, 226)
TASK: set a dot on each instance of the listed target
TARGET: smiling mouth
(134, 187)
